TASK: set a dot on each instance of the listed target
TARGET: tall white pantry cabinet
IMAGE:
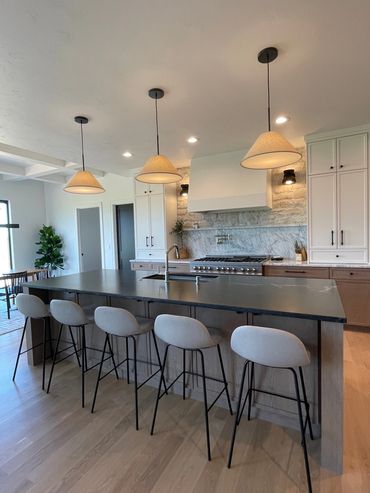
(337, 168)
(155, 215)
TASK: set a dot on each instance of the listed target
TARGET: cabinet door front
(142, 222)
(322, 157)
(141, 188)
(352, 209)
(322, 211)
(158, 230)
(352, 152)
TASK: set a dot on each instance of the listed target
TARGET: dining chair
(13, 285)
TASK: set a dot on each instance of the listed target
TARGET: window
(5, 240)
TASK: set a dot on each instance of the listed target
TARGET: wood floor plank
(50, 445)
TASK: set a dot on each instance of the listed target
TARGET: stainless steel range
(247, 265)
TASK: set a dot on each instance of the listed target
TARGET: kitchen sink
(181, 277)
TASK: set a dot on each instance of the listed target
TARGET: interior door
(323, 211)
(125, 235)
(88, 221)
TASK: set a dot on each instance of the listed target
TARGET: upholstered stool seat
(189, 334)
(273, 348)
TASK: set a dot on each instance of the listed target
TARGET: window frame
(6, 202)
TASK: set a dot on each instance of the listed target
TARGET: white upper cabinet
(352, 152)
(352, 209)
(155, 215)
(147, 189)
(323, 213)
(338, 197)
(322, 157)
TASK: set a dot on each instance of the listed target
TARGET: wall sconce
(184, 190)
(289, 177)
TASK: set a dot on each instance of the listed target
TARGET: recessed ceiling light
(193, 139)
(281, 119)
(127, 154)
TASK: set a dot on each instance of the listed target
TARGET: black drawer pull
(296, 272)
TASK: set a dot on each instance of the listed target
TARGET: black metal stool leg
(158, 357)
(20, 348)
(184, 374)
(49, 336)
(54, 357)
(224, 378)
(303, 435)
(127, 362)
(43, 353)
(205, 403)
(159, 389)
(99, 374)
(237, 419)
(112, 356)
(251, 392)
(136, 389)
(307, 406)
(83, 366)
(74, 345)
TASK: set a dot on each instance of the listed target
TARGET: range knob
(247, 269)
(209, 268)
(228, 269)
(222, 269)
(196, 267)
(253, 270)
(233, 269)
(242, 269)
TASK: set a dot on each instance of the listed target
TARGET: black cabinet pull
(341, 166)
(146, 241)
(296, 272)
(341, 237)
(337, 256)
(331, 167)
(151, 241)
(332, 237)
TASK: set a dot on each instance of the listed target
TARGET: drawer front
(339, 256)
(309, 272)
(347, 274)
(141, 266)
(178, 267)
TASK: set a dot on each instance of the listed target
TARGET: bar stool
(276, 349)
(32, 307)
(121, 323)
(70, 314)
(189, 334)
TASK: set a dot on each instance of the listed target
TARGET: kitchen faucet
(166, 269)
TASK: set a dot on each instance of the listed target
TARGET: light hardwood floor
(48, 444)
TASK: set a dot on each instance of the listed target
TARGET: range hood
(219, 183)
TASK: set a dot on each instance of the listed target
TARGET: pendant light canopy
(271, 149)
(158, 168)
(83, 181)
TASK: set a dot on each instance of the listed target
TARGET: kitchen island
(309, 308)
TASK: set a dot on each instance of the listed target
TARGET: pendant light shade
(158, 168)
(271, 149)
(83, 181)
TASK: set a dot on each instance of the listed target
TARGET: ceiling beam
(34, 156)
(11, 169)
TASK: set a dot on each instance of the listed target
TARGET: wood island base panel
(309, 308)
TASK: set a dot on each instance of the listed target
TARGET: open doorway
(89, 239)
(125, 235)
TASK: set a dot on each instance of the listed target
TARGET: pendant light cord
(156, 122)
(268, 95)
(82, 148)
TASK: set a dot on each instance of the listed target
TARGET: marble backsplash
(270, 240)
(271, 231)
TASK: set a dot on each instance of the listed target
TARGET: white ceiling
(98, 58)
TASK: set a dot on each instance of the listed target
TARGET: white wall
(61, 213)
(27, 207)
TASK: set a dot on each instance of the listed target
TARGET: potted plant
(178, 230)
(50, 250)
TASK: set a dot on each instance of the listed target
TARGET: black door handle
(341, 237)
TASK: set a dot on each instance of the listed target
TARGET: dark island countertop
(316, 299)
